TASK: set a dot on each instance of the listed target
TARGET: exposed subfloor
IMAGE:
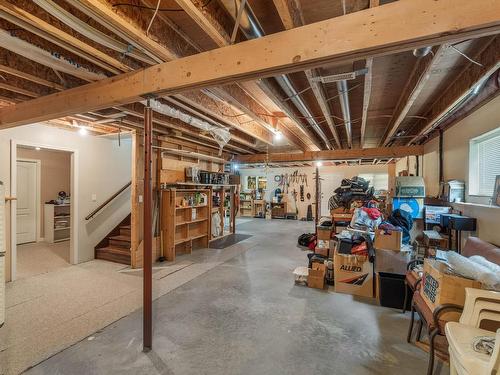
(246, 316)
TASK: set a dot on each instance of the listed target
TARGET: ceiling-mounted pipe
(422, 52)
(344, 105)
(251, 28)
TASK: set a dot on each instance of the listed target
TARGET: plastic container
(392, 290)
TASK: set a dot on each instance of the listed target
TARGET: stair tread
(125, 227)
(114, 250)
(120, 237)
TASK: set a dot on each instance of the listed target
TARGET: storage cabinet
(57, 222)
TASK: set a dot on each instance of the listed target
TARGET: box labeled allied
(353, 275)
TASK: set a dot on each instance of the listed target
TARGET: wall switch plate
(94, 197)
(140, 198)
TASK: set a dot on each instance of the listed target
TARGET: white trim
(14, 143)
(38, 198)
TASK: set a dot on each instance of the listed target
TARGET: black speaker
(463, 223)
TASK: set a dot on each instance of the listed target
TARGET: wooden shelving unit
(57, 222)
(246, 205)
(225, 208)
(184, 227)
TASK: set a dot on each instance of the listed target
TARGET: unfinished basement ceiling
(48, 46)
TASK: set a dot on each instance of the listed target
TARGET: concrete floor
(246, 316)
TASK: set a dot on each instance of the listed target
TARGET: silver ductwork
(344, 105)
(250, 26)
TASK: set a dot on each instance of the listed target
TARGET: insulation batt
(472, 270)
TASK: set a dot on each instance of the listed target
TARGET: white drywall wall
(331, 179)
(102, 166)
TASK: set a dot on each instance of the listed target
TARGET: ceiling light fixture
(37, 148)
(83, 131)
(319, 164)
(278, 135)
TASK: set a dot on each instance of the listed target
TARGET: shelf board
(62, 239)
(62, 228)
(190, 221)
(199, 236)
(199, 206)
(62, 216)
(182, 240)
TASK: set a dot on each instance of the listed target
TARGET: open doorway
(43, 212)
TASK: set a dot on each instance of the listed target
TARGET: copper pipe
(148, 232)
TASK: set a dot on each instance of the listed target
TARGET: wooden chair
(411, 279)
(433, 321)
(481, 306)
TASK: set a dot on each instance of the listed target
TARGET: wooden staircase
(115, 247)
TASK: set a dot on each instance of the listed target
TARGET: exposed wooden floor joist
(394, 27)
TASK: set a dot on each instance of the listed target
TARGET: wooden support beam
(416, 82)
(30, 77)
(395, 27)
(344, 154)
(465, 82)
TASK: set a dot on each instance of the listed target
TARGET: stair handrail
(108, 201)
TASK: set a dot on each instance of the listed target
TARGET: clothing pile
(399, 220)
(366, 219)
(355, 243)
(307, 240)
(356, 188)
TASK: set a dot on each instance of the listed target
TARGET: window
(484, 163)
(379, 181)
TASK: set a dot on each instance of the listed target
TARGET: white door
(26, 201)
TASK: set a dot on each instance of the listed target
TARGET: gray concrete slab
(246, 316)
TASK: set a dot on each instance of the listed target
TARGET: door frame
(38, 194)
(74, 173)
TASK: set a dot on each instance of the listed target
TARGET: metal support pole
(148, 232)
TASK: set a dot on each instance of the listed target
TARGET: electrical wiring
(154, 16)
(464, 55)
(154, 9)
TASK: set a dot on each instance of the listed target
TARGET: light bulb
(319, 164)
(83, 131)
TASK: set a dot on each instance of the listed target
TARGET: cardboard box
(316, 276)
(438, 287)
(388, 241)
(353, 275)
(324, 233)
(322, 251)
(390, 261)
